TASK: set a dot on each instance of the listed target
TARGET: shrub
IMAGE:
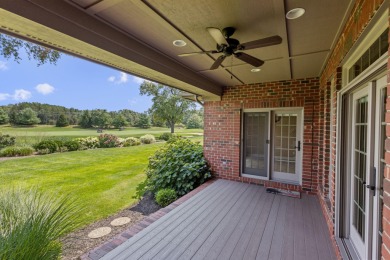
(6, 140)
(131, 141)
(31, 224)
(147, 139)
(108, 141)
(11, 151)
(164, 197)
(47, 145)
(88, 142)
(166, 136)
(178, 165)
(72, 145)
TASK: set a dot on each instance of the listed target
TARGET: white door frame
(285, 177)
(271, 111)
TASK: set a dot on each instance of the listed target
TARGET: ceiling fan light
(179, 43)
(255, 70)
(295, 13)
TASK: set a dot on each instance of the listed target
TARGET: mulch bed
(78, 243)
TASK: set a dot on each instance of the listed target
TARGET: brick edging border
(101, 250)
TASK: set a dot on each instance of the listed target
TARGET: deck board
(231, 220)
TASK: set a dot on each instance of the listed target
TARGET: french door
(272, 145)
(287, 146)
(366, 168)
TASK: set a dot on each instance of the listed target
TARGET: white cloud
(44, 88)
(138, 80)
(3, 65)
(122, 78)
(4, 96)
(22, 94)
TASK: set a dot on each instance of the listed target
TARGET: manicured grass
(103, 180)
(35, 134)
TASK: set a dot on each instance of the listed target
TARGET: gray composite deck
(231, 220)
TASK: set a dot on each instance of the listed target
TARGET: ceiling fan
(229, 46)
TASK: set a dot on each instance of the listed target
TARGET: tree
(100, 118)
(194, 121)
(144, 121)
(27, 116)
(119, 121)
(10, 47)
(62, 121)
(3, 117)
(86, 120)
(167, 104)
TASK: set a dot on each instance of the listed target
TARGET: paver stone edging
(99, 251)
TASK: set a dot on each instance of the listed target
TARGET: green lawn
(104, 180)
(35, 134)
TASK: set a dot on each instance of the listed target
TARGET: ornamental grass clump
(88, 143)
(130, 141)
(32, 222)
(147, 139)
(178, 165)
(16, 151)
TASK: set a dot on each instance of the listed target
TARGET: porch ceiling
(136, 36)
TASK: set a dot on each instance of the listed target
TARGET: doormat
(289, 193)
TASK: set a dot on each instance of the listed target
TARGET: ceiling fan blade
(249, 59)
(195, 53)
(217, 35)
(273, 40)
(217, 62)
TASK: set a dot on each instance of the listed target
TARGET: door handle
(371, 187)
(299, 146)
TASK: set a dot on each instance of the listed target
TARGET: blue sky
(73, 82)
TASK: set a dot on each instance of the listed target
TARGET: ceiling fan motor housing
(228, 31)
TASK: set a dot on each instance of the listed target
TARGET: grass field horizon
(30, 135)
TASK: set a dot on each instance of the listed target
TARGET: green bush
(88, 142)
(12, 151)
(147, 139)
(31, 224)
(166, 136)
(72, 145)
(130, 141)
(164, 197)
(47, 145)
(108, 141)
(178, 165)
(6, 140)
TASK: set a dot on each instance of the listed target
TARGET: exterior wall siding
(222, 127)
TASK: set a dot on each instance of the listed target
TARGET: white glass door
(287, 146)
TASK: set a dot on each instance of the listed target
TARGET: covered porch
(233, 220)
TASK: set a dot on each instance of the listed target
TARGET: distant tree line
(27, 113)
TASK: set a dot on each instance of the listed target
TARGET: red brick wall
(360, 16)
(222, 126)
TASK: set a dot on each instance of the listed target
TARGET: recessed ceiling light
(295, 13)
(179, 43)
(255, 70)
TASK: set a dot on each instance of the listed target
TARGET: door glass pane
(285, 142)
(255, 156)
(360, 159)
